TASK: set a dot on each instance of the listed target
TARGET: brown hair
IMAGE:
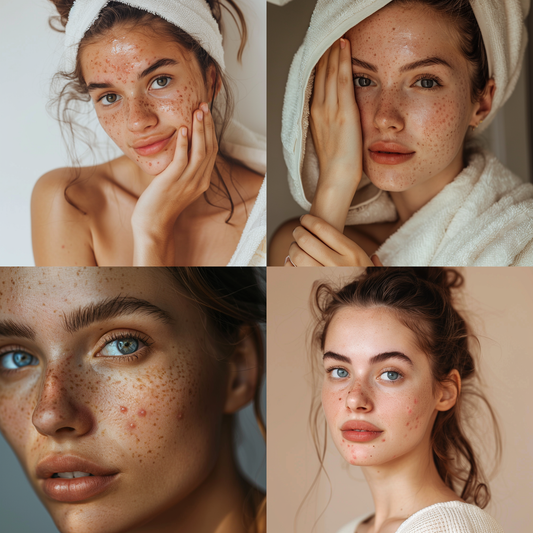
(422, 300)
(232, 298)
(469, 38)
(73, 92)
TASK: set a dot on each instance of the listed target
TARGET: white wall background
(30, 140)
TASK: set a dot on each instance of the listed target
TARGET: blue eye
(17, 359)
(125, 346)
(339, 373)
(391, 376)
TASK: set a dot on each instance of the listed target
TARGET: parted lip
(390, 147)
(54, 464)
(148, 141)
(352, 425)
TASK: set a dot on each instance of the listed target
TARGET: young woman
(428, 75)
(397, 371)
(117, 394)
(188, 189)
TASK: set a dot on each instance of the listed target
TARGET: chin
(152, 166)
(391, 179)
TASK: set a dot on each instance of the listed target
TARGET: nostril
(65, 430)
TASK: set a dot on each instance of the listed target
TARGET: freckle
(340, 399)
(124, 409)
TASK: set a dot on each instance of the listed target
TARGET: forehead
(365, 332)
(404, 33)
(124, 49)
(41, 294)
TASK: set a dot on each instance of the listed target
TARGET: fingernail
(199, 115)
(301, 217)
(183, 132)
(205, 108)
(343, 44)
(287, 259)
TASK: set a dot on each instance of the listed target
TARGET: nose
(358, 399)
(139, 115)
(59, 413)
(388, 116)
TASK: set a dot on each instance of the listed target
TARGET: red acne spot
(340, 399)
(382, 440)
(416, 401)
(142, 412)
(123, 409)
(410, 411)
(132, 426)
(62, 246)
(407, 423)
(180, 416)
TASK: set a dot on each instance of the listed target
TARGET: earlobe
(449, 391)
(244, 369)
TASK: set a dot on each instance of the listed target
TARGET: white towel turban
(505, 36)
(192, 16)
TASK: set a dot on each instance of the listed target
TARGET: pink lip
(76, 489)
(388, 153)
(360, 431)
(151, 147)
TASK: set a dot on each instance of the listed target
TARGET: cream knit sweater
(447, 517)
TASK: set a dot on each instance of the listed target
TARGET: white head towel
(192, 16)
(505, 36)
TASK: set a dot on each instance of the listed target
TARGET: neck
(218, 505)
(406, 485)
(410, 201)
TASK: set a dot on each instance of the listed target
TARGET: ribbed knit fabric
(192, 16)
(447, 517)
(505, 37)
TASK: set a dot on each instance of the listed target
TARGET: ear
(449, 391)
(244, 369)
(214, 82)
(484, 106)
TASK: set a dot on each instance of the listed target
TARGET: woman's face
(144, 89)
(107, 372)
(377, 390)
(413, 90)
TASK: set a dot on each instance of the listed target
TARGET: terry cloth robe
(484, 217)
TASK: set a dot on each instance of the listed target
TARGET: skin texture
(398, 464)
(145, 209)
(158, 417)
(395, 107)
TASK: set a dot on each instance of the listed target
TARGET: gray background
(507, 137)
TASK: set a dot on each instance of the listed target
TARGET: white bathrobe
(482, 218)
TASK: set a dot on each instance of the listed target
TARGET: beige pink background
(499, 302)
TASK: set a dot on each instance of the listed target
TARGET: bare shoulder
(281, 241)
(247, 183)
(60, 227)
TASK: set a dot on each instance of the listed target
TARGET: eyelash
(421, 77)
(150, 85)
(113, 337)
(400, 375)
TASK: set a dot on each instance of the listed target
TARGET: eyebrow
(112, 308)
(9, 328)
(410, 66)
(165, 62)
(379, 358)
